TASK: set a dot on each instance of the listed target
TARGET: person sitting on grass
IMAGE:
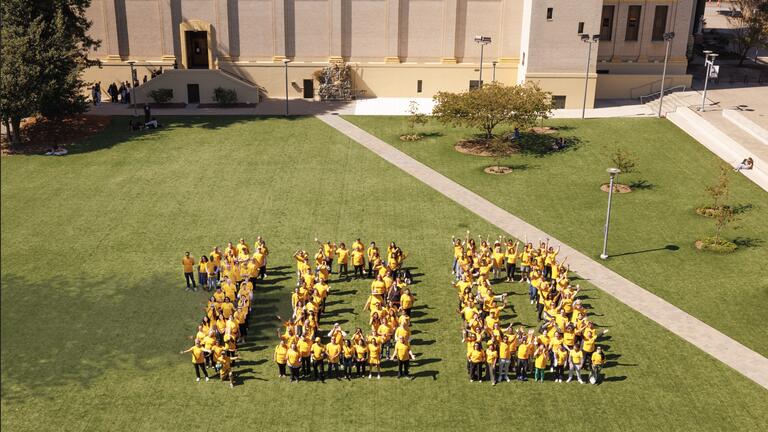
(56, 151)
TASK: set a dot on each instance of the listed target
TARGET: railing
(238, 77)
(658, 93)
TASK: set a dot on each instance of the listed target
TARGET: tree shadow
(742, 208)
(540, 145)
(642, 185)
(748, 242)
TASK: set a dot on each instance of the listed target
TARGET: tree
(416, 118)
(719, 191)
(45, 45)
(750, 19)
(494, 104)
(624, 160)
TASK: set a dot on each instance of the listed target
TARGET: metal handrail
(658, 93)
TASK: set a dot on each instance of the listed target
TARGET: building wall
(392, 43)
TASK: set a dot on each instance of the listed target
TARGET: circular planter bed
(544, 130)
(707, 211)
(498, 169)
(411, 137)
(711, 245)
(617, 188)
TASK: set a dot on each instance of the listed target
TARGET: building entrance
(197, 49)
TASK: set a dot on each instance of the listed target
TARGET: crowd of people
(565, 339)
(229, 276)
(307, 353)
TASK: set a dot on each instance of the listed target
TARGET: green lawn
(559, 193)
(94, 312)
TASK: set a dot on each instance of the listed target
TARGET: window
(659, 23)
(558, 102)
(606, 23)
(418, 86)
(633, 23)
(549, 14)
(603, 71)
(522, 63)
(581, 28)
(474, 84)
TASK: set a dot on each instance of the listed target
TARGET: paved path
(747, 362)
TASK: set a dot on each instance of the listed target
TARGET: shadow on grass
(748, 242)
(642, 185)
(541, 145)
(669, 247)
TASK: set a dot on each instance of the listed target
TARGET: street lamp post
(613, 172)
(494, 70)
(483, 41)
(668, 39)
(709, 63)
(590, 40)
(285, 63)
(133, 86)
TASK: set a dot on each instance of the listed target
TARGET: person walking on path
(147, 113)
(188, 262)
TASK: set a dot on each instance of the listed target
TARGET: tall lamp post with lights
(613, 172)
(285, 63)
(589, 40)
(709, 63)
(483, 41)
(133, 86)
(668, 39)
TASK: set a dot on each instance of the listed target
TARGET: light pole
(494, 70)
(133, 86)
(590, 40)
(483, 41)
(285, 63)
(668, 39)
(709, 63)
(613, 172)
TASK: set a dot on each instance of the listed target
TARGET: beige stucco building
(397, 48)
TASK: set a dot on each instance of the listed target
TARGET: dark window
(558, 102)
(522, 63)
(606, 23)
(549, 13)
(474, 84)
(581, 28)
(603, 71)
(659, 23)
(633, 23)
(418, 86)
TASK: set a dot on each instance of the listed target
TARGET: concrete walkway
(742, 359)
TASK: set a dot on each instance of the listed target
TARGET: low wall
(629, 86)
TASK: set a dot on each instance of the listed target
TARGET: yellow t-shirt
(294, 358)
(523, 351)
(403, 351)
(406, 301)
(189, 264)
(317, 351)
(281, 354)
(541, 359)
(197, 355)
(343, 255)
(597, 359)
(333, 350)
(491, 356)
(476, 356)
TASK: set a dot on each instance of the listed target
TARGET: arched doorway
(197, 42)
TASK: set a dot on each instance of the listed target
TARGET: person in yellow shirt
(225, 368)
(404, 356)
(372, 253)
(198, 359)
(348, 357)
(202, 272)
(458, 250)
(318, 359)
(305, 350)
(523, 353)
(333, 354)
(505, 358)
(406, 301)
(476, 360)
(361, 357)
(575, 362)
(343, 256)
(358, 262)
(188, 262)
(211, 273)
(491, 359)
(560, 360)
(293, 359)
(374, 356)
(540, 358)
(281, 358)
(597, 363)
(510, 256)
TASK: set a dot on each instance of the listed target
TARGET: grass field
(652, 229)
(94, 312)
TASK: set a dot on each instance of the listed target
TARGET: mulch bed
(479, 147)
(498, 170)
(40, 134)
(544, 130)
(617, 188)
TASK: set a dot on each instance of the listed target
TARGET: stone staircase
(673, 101)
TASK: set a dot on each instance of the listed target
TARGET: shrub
(714, 244)
(161, 96)
(224, 96)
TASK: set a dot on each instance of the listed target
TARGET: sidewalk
(374, 106)
(745, 361)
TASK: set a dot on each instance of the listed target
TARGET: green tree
(45, 45)
(719, 191)
(492, 105)
(416, 118)
(750, 19)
